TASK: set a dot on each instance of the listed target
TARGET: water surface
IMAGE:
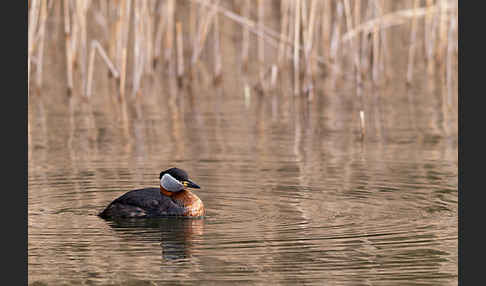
(292, 192)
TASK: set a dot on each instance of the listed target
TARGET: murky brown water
(292, 193)
(293, 196)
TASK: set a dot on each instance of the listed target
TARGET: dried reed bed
(314, 39)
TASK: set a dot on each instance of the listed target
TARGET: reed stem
(67, 35)
(169, 36)
(138, 46)
(296, 47)
(376, 48)
(90, 71)
(202, 34)
(217, 49)
(81, 11)
(158, 35)
(125, 15)
(326, 28)
(411, 50)
(261, 24)
(33, 16)
(180, 50)
(427, 28)
(450, 55)
(354, 48)
(40, 51)
(283, 27)
(96, 46)
(336, 35)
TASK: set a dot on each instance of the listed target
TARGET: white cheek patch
(170, 183)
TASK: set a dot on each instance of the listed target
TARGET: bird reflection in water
(177, 236)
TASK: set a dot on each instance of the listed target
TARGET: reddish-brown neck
(165, 192)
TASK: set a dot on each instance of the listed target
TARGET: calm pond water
(292, 193)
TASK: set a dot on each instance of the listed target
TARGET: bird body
(172, 198)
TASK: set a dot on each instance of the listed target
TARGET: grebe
(171, 199)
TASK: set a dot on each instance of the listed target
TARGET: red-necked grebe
(171, 199)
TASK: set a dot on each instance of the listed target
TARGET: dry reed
(413, 36)
(169, 36)
(312, 37)
(67, 35)
(245, 45)
(33, 15)
(217, 50)
(296, 7)
(283, 28)
(123, 44)
(42, 29)
(336, 33)
(180, 51)
(95, 46)
(158, 36)
(202, 34)
(326, 27)
(354, 47)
